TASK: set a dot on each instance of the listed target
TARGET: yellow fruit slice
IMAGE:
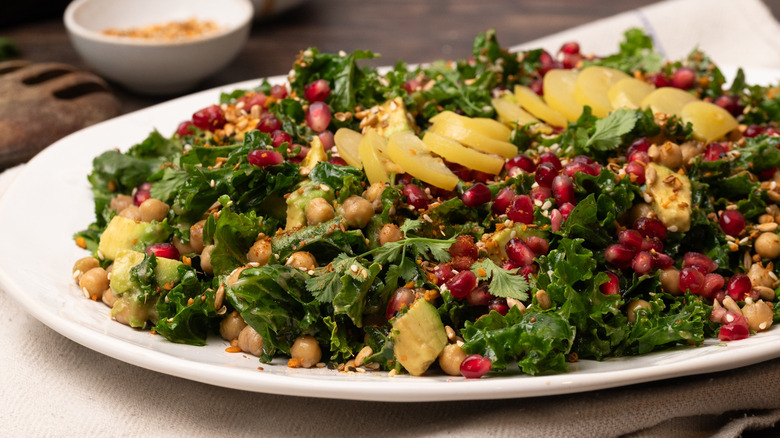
(510, 112)
(536, 106)
(369, 155)
(409, 152)
(710, 122)
(592, 85)
(347, 142)
(473, 139)
(558, 87)
(628, 93)
(487, 127)
(453, 151)
(668, 100)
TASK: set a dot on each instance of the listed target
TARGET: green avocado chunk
(418, 337)
(123, 234)
(298, 199)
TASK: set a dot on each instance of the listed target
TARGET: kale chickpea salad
(507, 212)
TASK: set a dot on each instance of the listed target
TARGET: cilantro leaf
(610, 130)
(503, 283)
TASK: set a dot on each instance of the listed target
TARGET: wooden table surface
(412, 30)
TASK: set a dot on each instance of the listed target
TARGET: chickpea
(670, 280)
(390, 233)
(196, 235)
(94, 282)
(205, 260)
(131, 212)
(249, 341)
(83, 265)
(689, 151)
(120, 202)
(231, 326)
(319, 210)
(634, 307)
(767, 245)
(302, 260)
(307, 350)
(357, 211)
(153, 210)
(759, 275)
(374, 195)
(108, 297)
(758, 314)
(670, 155)
(260, 251)
(183, 248)
(451, 358)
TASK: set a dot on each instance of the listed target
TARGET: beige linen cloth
(51, 386)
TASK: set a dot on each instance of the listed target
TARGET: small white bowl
(154, 66)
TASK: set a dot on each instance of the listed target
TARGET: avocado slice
(137, 311)
(672, 196)
(418, 337)
(123, 234)
(298, 199)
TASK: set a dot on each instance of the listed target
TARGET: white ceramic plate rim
(50, 199)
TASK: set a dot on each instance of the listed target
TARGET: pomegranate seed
(461, 284)
(318, 116)
(316, 91)
(650, 227)
(475, 366)
(714, 152)
(528, 271)
(753, 131)
(549, 157)
(337, 160)
(573, 167)
(565, 209)
(520, 162)
(545, 174)
(403, 179)
(210, 118)
(691, 280)
(539, 245)
(651, 245)
(541, 194)
(499, 305)
(278, 92)
(556, 220)
(570, 47)
(639, 156)
(771, 132)
(464, 252)
(479, 296)
(462, 172)
(642, 263)
(636, 172)
(732, 222)
(631, 239)
(257, 99)
(443, 273)
(163, 250)
(582, 159)
(657, 79)
(402, 297)
(142, 193)
(718, 314)
(563, 190)
(503, 200)
(547, 63)
(476, 195)
(712, 284)
(326, 137)
(412, 85)
(264, 158)
(415, 196)
(184, 128)
(738, 286)
(662, 261)
(268, 124)
(519, 252)
(537, 86)
(684, 78)
(694, 259)
(521, 210)
(730, 103)
(611, 287)
(619, 255)
(510, 264)
(641, 144)
(571, 60)
(727, 332)
(278, 137)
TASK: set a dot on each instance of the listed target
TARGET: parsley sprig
(502, 283)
